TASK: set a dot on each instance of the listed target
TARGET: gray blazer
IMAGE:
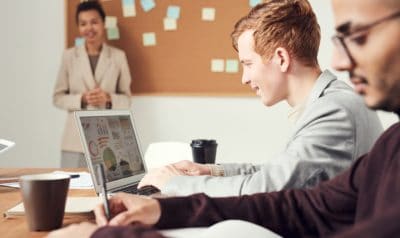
(75, 77)
(334, 129)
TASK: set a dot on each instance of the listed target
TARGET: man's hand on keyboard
(191, 168)
(159, 177)
(148, 190)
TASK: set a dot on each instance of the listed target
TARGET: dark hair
(87, 6)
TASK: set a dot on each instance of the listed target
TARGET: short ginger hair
(290, 24)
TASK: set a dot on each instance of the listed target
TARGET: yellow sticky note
(170, 24)
(149, 39)
(111, 22)
(128, 8)
(217, 65)
(232, 66)
(208, 14)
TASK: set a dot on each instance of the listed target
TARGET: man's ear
(282, 59)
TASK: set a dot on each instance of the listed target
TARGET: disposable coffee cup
(44, 197)
(204, 151)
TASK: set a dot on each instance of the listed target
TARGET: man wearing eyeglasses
(364, 201)
(368, 51)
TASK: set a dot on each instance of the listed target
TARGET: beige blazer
(75, 77)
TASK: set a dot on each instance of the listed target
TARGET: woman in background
(92, 76)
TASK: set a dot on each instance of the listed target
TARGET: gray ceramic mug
(44, 197)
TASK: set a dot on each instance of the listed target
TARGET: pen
(74, 175)
(102, 182)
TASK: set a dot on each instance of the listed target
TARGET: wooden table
(9, 197)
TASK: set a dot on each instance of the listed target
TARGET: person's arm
(326, 130)
(319, 150)
(382, 226)
(329, 207)
(62, 97)
(121, 99)
(291, 213)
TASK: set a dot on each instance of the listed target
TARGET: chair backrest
(159, 154)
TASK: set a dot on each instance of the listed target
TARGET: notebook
(109, 137)
(73, 206)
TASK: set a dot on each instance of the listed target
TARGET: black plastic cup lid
(202, 142)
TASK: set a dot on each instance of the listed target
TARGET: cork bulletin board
(180, 61)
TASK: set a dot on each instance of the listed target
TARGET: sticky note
(128, 2)
(217, 65)
(129, 11)
(253, 3)
(113, 33)
(128, 8)
(173, 12)
(170, 24)
(79, 41)
(111, 22)
(147, 5)
(149, 39)
(232, 66)
(208, 14)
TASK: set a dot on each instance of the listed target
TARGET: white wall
(31, 44)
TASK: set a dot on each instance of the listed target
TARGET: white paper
(84, 181)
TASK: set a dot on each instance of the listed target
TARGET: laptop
(109, 137)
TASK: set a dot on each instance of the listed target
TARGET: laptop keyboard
(146, 190)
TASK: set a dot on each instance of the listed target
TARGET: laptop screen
(111, 141)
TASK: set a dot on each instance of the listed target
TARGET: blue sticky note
(79, 41)
(253, 3)
(173, 12)
(147, 5)
(128, 3)
(113, 33)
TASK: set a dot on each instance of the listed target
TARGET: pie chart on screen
(93, 148)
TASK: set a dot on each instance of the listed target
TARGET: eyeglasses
(342, 40)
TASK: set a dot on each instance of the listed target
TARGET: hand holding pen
(127, 209)
(103, 184)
